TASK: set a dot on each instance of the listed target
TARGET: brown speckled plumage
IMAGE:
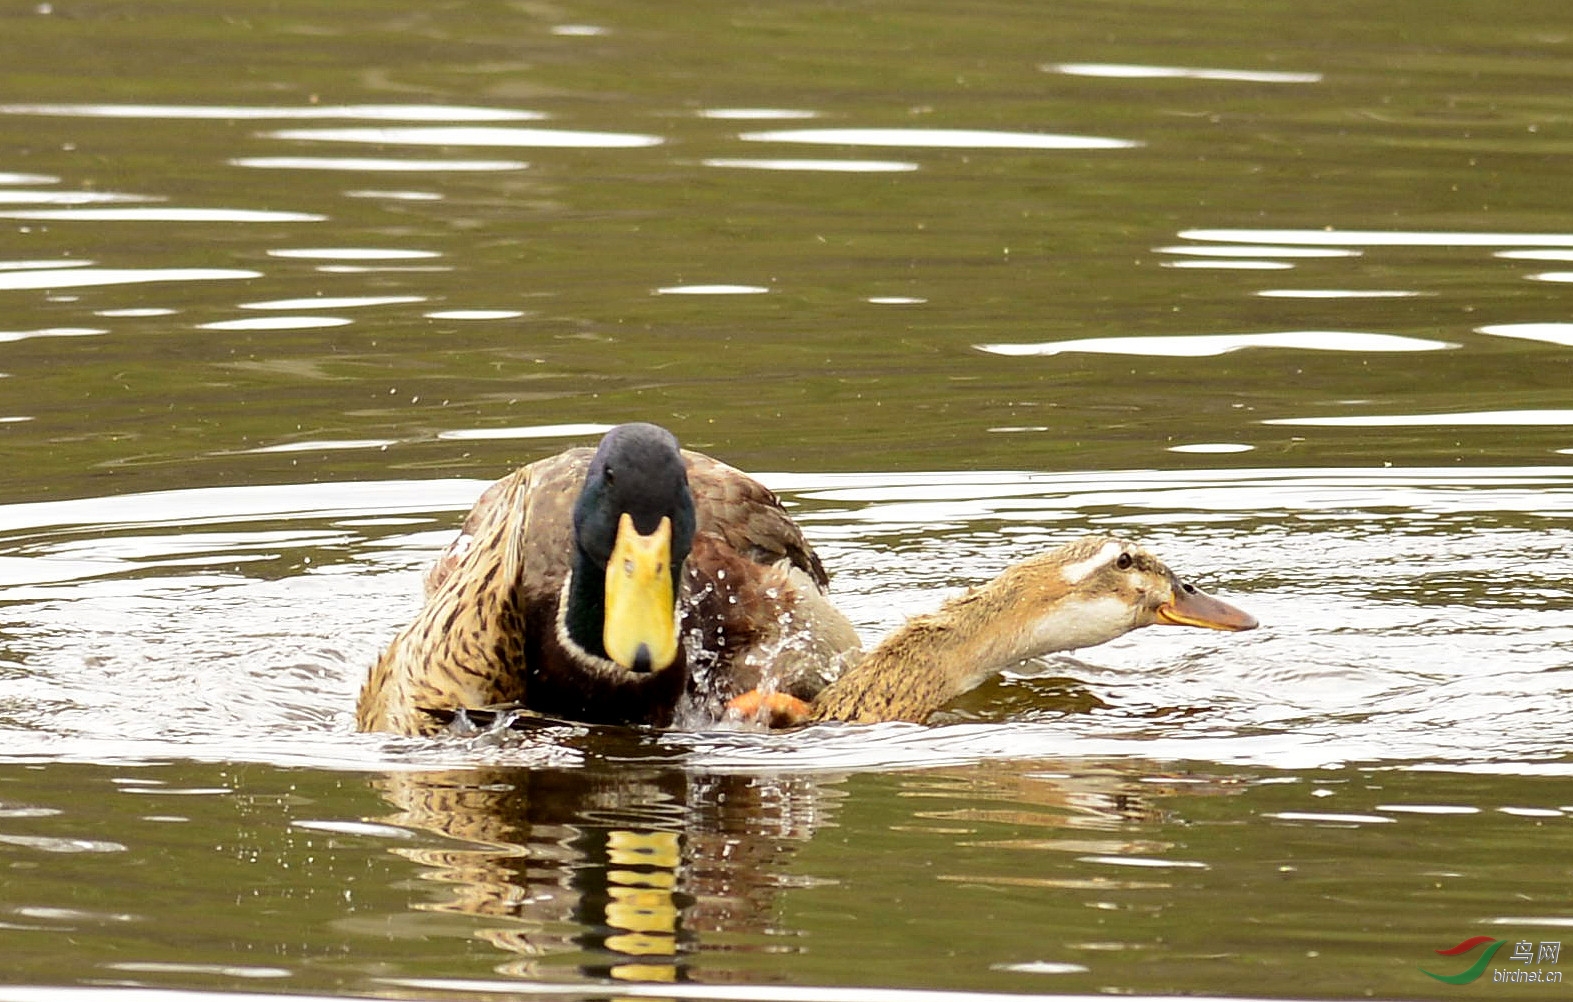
(752, 602)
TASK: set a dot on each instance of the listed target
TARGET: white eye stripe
(1079, 571)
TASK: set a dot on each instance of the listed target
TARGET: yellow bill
(640, 632)
(1197, 608)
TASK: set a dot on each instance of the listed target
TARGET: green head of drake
(633, 528)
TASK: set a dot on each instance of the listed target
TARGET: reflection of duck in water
(1083, 594)
(647, 870)
(616, 586)
(636, 871)
(613, 586)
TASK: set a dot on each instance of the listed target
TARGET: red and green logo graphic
(1477, 968)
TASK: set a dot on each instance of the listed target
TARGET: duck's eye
(1125, 561)
(1190, 589)
(607, 473)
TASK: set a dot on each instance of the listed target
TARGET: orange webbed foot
(774, 709)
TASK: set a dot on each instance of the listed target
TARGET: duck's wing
(748, 517)
(542, 494)
(758, 614)
(466, 646)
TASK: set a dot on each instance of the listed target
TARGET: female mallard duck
(1083, 594)
(620, 585)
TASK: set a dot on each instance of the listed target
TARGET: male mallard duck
(614, 585)
(1083, 594)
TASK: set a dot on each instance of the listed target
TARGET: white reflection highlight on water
(1339, 294)
(11, 177)
(70, 846)
(1550, 333)
(1037, 967)
(6, 336)
(971, 139)
(366, 828)
(1148, 862)
(1326, 818)
(1382, 238)
(68, 278)
(826, 166)
(45, 264)
(1202, 345)
(327, 445)
(1536, 255)
(136, 312)
(292, 323)
(580, 30)
(331, 302)
(581, 430)
(395, 196)
(376, 164)
(13, 197)
(1255, 250)
(712, 290)
(1231, 265)
(1520, 418)
(757, 114)
(458, 135)
(364, 269)
(474, 314)
(352, 254)
(381, 112)
(1530, 812)
(163, 214)
(1130, 71)
(1552, 276)
(221, 970)
(1212, 448)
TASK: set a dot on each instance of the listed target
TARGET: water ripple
(1383, 238)
(1378, 645)
(289, 323)
(331, 302)
(967, 139)
(378, 164)
(1521, 418)
(1550, 333)
(163, 214)
(456, 135)
(353, 254)
(390, 112)
(820, 166)
(1202, 345)
(69, 278)
(1128, 71)
(711, 290)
